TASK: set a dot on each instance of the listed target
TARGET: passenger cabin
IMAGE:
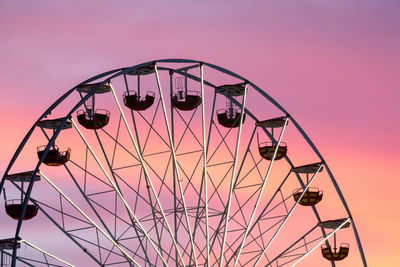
(184, 99)
(22, 177)
(335, 254)
(273, 123)
(8, 244)
(53, 124)
(99, 87)
(311, 197)
(14, 208)
(231, 89)
(229, 118)
(98, 120)
(267, 150)
(54, 157)
(142, 70)
(334, 224)
(309, 168)
(133, 100)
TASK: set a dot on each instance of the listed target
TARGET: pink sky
(332, 64)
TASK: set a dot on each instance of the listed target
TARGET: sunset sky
(333, 65)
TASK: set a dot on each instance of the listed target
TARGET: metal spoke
(322, 241)
(287, 217)
(85, 196)
(260, 194)
(227, 209)
(147, 177)
(116, 188)
(175, 162)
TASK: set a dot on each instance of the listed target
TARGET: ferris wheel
(173, 163)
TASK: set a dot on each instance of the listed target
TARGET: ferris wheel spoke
(177, 219)
(239, 203)
(204, 174)
(151, 128)
(288, 215)
(175, 164)
(115, 186)
(314, 209)
(262, 216)
(227, 208)
(260, 193)
(130, 212)
(147, 178)
(322, 241)
(86, 197)
(240, 169)
(159, 236)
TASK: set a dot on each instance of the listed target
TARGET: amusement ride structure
(173, 163)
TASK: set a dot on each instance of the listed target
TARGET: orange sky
(332, 64)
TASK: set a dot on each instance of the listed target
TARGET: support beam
(175, 164)
(322, 241)
(148, 179)
(116, 190)
(287, 217)
(228, 207)
(260, 194)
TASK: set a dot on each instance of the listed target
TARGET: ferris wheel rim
(122, 71)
